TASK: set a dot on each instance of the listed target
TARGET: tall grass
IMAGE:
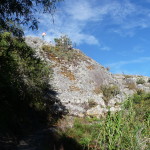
(125, 130)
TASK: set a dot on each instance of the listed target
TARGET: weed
(91, 67)
(57, 52)
(92, 103)
(128, 76)
(109, 92)
(131, 86)
(97, 90)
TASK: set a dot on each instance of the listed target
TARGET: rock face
(84, 86)
(132, 83)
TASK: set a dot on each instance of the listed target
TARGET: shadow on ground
(45, 139)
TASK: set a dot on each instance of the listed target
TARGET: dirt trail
(46, 139)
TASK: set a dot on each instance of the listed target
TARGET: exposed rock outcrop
(132, 83)
(82, 84)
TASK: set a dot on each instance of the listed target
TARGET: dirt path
(46, 139)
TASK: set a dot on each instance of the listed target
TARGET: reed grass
(127, 129)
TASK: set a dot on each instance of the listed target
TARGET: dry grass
(131, 86)
(128, 76)
(97, 90)
(67, 73)
(92, 103)
(109, 92)
(64, 56)
(74, 88)
(54, 58)
(91, 67)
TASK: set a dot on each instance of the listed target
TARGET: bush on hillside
(64, 43)
(109, 92)
(140, 81)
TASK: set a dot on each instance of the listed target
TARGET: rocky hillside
(84, 86)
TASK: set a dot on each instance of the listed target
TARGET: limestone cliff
(84, 86)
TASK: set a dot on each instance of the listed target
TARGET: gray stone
(84, 78)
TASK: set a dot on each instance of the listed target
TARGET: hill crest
(84, 86)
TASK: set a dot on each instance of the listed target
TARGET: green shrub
(63, 43)
(109, 92)
(140, 81)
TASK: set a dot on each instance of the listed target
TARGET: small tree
(63, 43)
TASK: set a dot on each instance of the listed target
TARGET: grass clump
(92, 103)
(127, 129)
(58, 54)
(97, 90)
(131, 86)
(128, 76)
(109, 92)
(63, 52)
(140, 81)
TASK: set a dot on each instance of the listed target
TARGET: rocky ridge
(82, 83)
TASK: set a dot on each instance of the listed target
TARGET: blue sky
(115, 33)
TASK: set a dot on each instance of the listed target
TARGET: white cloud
(105, 48)
(126, 17)
(119, 64)
(127, 72)
(74, 18)
(81, 10)
(123, 67)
